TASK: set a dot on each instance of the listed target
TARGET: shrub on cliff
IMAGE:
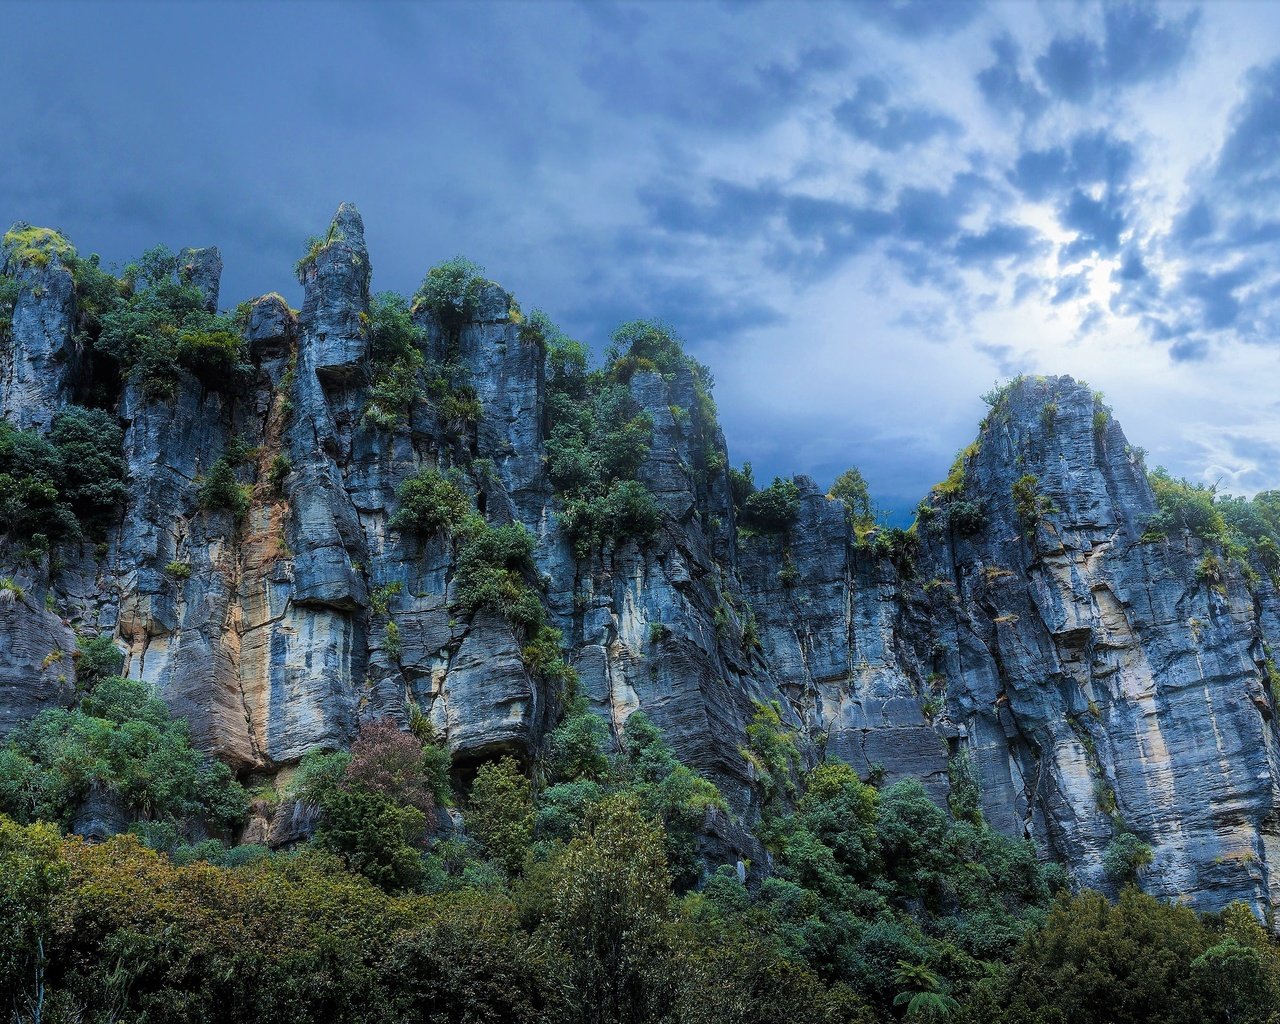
(850, 487)
(122, 740)
(89, 443)
(396, 361)
(451, 290)
(493, 564)
(219, 490)
(773, 509)
(160, 325)
(431, 503)
(55, 488)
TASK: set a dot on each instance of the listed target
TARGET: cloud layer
(859, 214)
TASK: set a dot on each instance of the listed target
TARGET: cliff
(1031, 636)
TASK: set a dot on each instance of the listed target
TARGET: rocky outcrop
(1032, 637)
(41, 359)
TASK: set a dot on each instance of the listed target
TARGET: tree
(922, 993)
(851, 488)
(773, 509)
(373, 803)
(603, 901)
(500, 812)
(32, 873)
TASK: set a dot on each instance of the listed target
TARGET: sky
(860, 215)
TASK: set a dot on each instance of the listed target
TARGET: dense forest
(571, 892)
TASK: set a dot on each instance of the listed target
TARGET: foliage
(850, 487)
(1245, 531)
(771, 751)
(281, 467)
(220, 491)
(28, 246)
(597, 437)
(160, 324)
(9, 292)
(98, 658)
(316, 245)
(1184, 506)
(122, 741)
(57, 488)
(1028, 503)
(431, 503)
(450, 291)
(1125, 856)
(89, 443)
(396, 361)
(1137, 962)
(374, 803)
(492, 567)
(774, 508)
(500, 812)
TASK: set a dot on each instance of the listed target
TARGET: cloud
(870, 116)
(918, 19)
(1000, 241)
(1140, 45)
(1098, 223)
(1216, 294)
(1005, 87)
(1249, 162)
(1072, 68)
(1137, 45)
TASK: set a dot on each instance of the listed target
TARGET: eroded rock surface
(1079, 671)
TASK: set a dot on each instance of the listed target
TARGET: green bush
(1028, 503)
(98, 658)
(57, 488)
(9, 292)
(850, 487)
(33, 484)
(396, 361)
(121, 739)
(1125, 856)
(89, 443)
(450, 291)
(220, 491)
(159, 325)
(773, 509)
(431, 503)
(1184, 506)
(499, 813)
(492, 567)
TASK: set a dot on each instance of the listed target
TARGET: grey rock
(1086, 678)
(38, 366)
(202, 268)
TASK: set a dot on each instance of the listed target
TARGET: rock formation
(1038, 642)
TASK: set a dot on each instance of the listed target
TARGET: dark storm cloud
(870, 115)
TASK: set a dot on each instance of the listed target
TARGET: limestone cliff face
(1086, 678)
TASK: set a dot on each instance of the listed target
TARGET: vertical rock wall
(1087, 678)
